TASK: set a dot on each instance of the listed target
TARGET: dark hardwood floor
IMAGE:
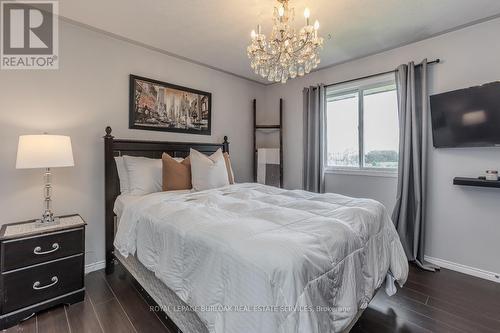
(430, 302)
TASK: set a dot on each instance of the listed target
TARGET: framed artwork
(161, 106)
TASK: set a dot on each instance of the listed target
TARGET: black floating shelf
(268, 127)
(476, 182)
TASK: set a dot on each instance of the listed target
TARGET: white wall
(88, 92)
(463, 224)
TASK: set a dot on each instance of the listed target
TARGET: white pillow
(122, 175)
(208, 171)
(144, 174)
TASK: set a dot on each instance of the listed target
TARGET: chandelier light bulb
(281, 10)
(307, 13)
(316, 25)
(253, 34)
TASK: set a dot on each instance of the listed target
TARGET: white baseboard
(477, 272)
(95, 266)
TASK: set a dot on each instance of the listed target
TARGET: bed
(249, 257)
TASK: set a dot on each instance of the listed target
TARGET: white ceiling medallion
(286, 53)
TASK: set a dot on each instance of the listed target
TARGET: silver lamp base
(47, 217)
(46, 221)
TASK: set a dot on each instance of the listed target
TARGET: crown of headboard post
(152, 149)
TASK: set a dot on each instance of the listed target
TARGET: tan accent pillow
(176, 175)
(229, 168)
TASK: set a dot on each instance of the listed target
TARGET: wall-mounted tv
(467, 117)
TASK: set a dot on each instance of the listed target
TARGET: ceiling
(216, 32)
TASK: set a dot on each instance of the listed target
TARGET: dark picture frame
(160, 106)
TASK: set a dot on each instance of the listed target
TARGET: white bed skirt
(187, 321)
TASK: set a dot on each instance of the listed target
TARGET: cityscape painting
(161, 106)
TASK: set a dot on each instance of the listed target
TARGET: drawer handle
(38, 249)
(54, 280)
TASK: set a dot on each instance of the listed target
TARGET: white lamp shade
(44, 151)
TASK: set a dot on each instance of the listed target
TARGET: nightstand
(41, 266)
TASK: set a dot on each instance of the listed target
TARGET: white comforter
(253, 258)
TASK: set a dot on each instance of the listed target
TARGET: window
(362, 125)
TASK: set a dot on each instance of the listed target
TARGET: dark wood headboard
(152, 149)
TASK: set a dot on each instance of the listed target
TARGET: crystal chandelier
(286, 54)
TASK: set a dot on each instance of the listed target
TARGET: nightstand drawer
(41, 282)
(33, 250)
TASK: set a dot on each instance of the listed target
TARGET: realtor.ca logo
(29, 35)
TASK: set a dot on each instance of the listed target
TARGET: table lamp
(45, 151)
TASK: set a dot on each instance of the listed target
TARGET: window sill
(362, 172)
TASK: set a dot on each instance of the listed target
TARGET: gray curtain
(314, 143)
(409, 211)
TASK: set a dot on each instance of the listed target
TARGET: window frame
(358, 87)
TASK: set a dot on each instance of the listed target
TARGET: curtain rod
(437, 61)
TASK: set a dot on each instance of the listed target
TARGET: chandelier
(286, 53)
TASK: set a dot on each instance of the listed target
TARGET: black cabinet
(41, 266)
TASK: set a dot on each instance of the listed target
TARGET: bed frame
(152, 149)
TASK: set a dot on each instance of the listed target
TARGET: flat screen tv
(467, 117)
